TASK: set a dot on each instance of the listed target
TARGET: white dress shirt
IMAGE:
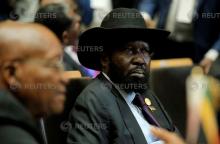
(144, 125)
(100, 9)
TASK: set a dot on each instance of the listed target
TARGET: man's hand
(206, 64)
(150, 23)
(166, 136)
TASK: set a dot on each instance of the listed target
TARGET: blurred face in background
(71, 4)
(70, 36)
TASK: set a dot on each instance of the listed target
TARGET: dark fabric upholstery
(56, 126)
(169, 86)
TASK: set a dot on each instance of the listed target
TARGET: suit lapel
(128, 117)
(159, 113)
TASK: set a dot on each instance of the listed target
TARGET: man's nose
(139, 60)
(64, 78)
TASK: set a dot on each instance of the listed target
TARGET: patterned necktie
(139, 101)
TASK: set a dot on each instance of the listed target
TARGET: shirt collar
(105, 75)
(129, 97)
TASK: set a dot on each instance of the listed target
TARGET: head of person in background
(6, 8)
(30, 68)
(67, 29)
(71, 4)
(55, 16)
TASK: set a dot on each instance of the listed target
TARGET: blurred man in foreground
(31, 80)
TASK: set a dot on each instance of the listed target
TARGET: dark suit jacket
(207, 26)
(101, 116)
(85, 10)
(153, 7)
(17, 126)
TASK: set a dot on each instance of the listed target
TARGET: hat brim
(93, 41)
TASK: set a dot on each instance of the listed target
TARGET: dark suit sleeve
(216, 45)
(15, 135)
(89, 121)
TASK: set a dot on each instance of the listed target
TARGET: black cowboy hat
(120, 25)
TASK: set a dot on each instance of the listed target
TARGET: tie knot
(138, 100)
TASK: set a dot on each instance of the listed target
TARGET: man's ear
(9, 75)
(105, 62)
(65, 38)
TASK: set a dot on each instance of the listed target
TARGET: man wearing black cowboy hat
(118, 106)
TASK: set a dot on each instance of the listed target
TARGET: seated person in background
(71, 4)
(67, 29)
(46, 2)
(118, 106)
(6, 7)
(32, 84)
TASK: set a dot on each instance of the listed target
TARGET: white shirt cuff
(146, 16)
(212, 54)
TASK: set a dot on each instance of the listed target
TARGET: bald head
(30, 67)
(22, 40)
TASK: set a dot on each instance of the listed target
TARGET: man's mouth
(138, 73)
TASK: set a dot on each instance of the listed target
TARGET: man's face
(41, 82)
(74, 30)
(129, 66)
(30, 67)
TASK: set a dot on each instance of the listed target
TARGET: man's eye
(129, 51)
(144, 50)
